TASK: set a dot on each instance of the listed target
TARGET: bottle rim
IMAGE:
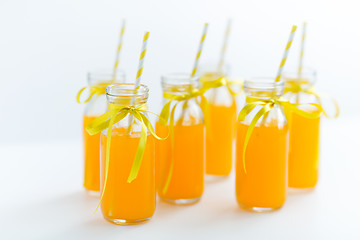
(264, 87)
(126, 90)
(105, 75)
(178, 79)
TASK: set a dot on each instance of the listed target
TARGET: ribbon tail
(165, 112)
(252, 125)
(247, 109)
(167, 183)
(79, 95)
(140, 150)
(337, 109)
(205, 107)
(107, 161)
(294, 108)
(184, 108)
(102, 122)
(232, 92)
(150, 127)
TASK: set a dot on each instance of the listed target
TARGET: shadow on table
(61, 217)
(165, 210)
(72, 215)
(96, 227)
(226, 214)
(48, 218)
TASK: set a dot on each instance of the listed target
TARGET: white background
(47, 47)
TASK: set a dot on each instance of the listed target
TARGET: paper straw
(224, 47)
(199, 50)
(288, 45)
(118, 50)
(139, 73)
(141, 60)
(302, 50)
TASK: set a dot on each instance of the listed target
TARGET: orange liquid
(264, 184)
(92, 158)
(187, 181)
(128, 201)
(220, 133)
(303, 151)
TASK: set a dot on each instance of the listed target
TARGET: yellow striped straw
(139, 73)
(199, 50)
(141, 60)
(118, 50)
(224, 47)
(288, 45)
(302, 49)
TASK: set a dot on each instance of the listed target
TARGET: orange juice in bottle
(126, 201)
(220, 118)
(304, 140)
(180, 160)
(261, 176)
(123, 202)
(96, 105)
(91, 156)
(220, 135)
(304, 147)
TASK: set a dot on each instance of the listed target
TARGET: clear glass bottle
(94, 108)
(220, 118)
(123, 202)
(180, 159)
(304, 133)
(262, 187)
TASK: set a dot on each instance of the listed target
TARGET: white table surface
(42, 198)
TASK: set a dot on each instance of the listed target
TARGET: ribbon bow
(267, 105)
(98, 89)
(294, 86)
(209, 84)
(106, 121)
(165, 112)
(219, 82)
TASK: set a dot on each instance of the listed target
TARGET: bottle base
(259, 209)
(124, 222)
(294, 190)
(92, 193)
(215, 178)
(182, 202)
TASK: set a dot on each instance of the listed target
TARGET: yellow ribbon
(294, 86)
(98, 89)
(219, 82)
(269, 104)
(106, 121)
(166, 113)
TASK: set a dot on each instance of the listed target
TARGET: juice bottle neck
(125, 94)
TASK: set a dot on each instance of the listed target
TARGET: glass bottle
(220, 118)
(304, 139)
(94, 108)
(261, 186)
(180, 159)
(123, 202)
